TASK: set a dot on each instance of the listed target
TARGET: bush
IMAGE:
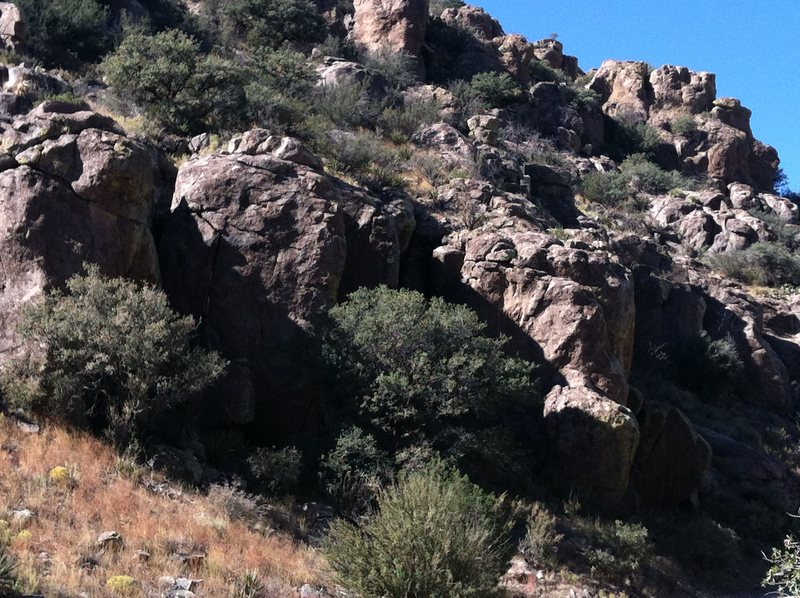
(276, 470)
(268, 23)
(168, 77)
(349, 105)
(418, 373)
(352, 472)
(62, 32)
(114, 356)
(398, 68)
(711, 368)
(625, 136)
(403, 121)
(542, 538)
(8, 567)
(435, 534)
(281, 83)
(636, 175)
(496, 89)
(541, 71)
(619, 550)
(684, 125)
(762, 264)
(784, 571)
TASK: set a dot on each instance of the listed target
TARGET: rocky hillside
(620, 227)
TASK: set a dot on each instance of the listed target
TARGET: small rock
(143, 556)
(20, 518)
(111, 541)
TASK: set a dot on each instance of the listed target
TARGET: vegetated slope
(76, 488)
(261, 160)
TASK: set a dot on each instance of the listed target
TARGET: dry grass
(57, 554)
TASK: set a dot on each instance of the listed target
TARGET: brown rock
(475, 19)
(75, 193)
(391, 25)
(677, 89)
(595, 442)
(624, 88)
(13, 28)
(516, 54)
(258, 248)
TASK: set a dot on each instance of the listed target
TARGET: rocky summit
(414, 306)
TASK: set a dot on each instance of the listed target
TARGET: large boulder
(624, 88)
(474, 19)
(391, 25)
(671, 460)
(677, 89)
(75, 190)
(258, 247)
(595, 442)
(13, 28)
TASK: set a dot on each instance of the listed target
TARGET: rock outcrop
(75, 190)
(391, 25)
(13, 27)
(257, 247)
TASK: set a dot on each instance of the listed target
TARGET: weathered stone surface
(676, 88)
(13, 28)
(671, 460)
(595, 443)
(624, 88)
(257, 248)
(391, 25)
(335, 72)
(516, 54)
(76, 191)
(475, 19)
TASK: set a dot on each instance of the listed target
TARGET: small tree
(174, 83)
(108, 353)
(784, 571)
(418, 373)
(435, 534)
(496, 89)
(63, 31)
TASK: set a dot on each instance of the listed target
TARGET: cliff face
(623, 305)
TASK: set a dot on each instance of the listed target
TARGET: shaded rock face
(595, 443)
(257, 248)
(75, 190)
(391, 25)
(672, 458)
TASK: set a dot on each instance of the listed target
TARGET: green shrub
(352, 471)
(349, 105)
(784, 571)
(786, 234)
(763, 264)
(114, 356)
(168, 77)
(542, 537)
(276, 470)
(419, 373)
(8, 567)
(711, 368)
(398, 68)
(435, 534)
(62, 32)
(636, 175)
(281, 84)
(684, 125)
(403, 121)
(267, 23)
(249, 586)
(620, 549)
(541, 71)
(582, 98)
(496, 89)
(625, 136)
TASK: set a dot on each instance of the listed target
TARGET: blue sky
(752, 45)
